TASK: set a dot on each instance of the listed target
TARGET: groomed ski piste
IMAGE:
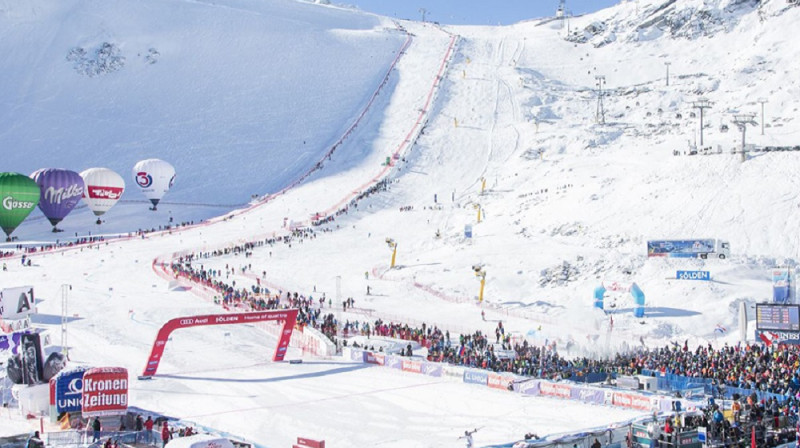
(292, 102)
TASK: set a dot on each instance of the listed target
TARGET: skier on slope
(468, 436)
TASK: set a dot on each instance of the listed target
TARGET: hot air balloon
(103, 189)
(19, 195)
(61, 190)
(154, 177)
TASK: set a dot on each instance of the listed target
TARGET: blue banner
(680, 248)
(432, 369)
(10, 342)
(69, 386)
(393, 362)
(529, 387)
(693, 275)
(476, 377)
(781, 286)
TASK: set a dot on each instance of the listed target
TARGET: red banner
(52, 384)
(555, 390)
(498, 381)
(634, 401)
(289, 317)
(97, 192)
(105, 391)
(412, 366)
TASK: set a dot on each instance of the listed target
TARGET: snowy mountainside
(571, 203)
(236, 95)
(636, 20)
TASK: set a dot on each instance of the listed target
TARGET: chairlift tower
(600, 114)
(667, 63)
(701, 104)
(762, 101)
(65, 288)
(423, 11)
(742, 120)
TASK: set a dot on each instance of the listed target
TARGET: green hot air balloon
(19, 195)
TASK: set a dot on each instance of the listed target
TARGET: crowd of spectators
(774, 369)
(769, 368)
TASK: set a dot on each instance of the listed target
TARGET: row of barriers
(608, 396)
(673, 382)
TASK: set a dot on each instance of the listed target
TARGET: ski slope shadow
(348, 368)
(51, 319)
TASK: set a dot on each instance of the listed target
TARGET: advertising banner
(432, 369)
(394, 362)
(17, 302)
(379, 358)
(781, 286)
(371, 358)
(68, 389)
(52, 384)
(680, 248)
(635, 401)
(288, 317)
(11, 342)
(476, 377)
(588, 395)
(628, 382)
(530, 387)
(498, 381)
(357, 355)
(555, 390)
(411, 365)
(104, 391)
(693, 275)
(454, 372)
(31, 353)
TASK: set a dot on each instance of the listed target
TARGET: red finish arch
(289, 317)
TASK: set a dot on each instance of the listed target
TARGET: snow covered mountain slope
(242, 97)
(569, 202)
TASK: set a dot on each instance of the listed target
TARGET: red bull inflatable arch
(288, 317)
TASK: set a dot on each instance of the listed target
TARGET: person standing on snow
(139, 427)
(165, 435)
(148, 426)
(468, 436)
(96, 427)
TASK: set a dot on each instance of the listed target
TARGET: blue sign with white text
(693, 275)
(476, 377)
(69, 387)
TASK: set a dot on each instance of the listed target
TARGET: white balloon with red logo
(154, 177)
(104, 187)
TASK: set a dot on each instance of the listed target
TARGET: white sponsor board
(16, 302)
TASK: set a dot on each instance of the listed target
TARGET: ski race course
(374, 167)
